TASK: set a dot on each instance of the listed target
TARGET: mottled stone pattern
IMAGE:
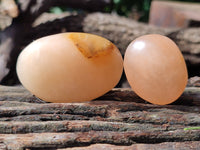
(117, 120)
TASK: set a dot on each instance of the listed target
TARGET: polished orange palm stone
(70, 67)
(155, 69)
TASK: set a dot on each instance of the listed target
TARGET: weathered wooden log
(79, 126)
(119, 30)
(194, 82)
(9, 8)
(61, 140)
(122, 31)
(13, 36)
(190, 96)
(119, 117)
(167, 146)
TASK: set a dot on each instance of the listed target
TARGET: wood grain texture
(117, 120)
(162, 146)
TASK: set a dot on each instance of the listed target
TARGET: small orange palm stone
(155, 69)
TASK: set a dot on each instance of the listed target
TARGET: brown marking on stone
(91, 45)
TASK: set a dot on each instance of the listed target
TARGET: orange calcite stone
(155, 69)
(70, 67)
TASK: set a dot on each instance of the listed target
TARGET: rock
(173, 14)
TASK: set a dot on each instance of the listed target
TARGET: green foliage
(61, 9)
(142, 7)
(56, 10)
(124, 7)
(192, 128)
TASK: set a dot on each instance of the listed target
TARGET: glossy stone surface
(70, 67)
(155, 69)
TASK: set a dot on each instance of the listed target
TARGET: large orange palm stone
(70, 67)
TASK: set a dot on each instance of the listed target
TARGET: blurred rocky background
(120, 21)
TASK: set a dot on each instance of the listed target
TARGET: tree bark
(122, 31)
(167, 146)
(119, 117)
(13, 36)
(119, 30)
